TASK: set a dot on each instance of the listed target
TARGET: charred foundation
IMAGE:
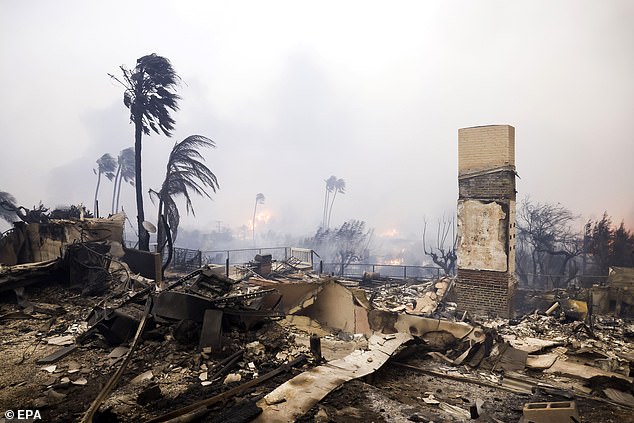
(486, 219)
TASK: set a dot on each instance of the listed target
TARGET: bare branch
(443, 256)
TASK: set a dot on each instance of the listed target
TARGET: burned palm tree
(330, 186)
(125, 172)
(259, 199)
(106, 165)
(186, 174)
(339, 186)
(149, 95)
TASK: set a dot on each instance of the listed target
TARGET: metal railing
(191, 259)
(186, 260)
(244, 255)
(393, 271)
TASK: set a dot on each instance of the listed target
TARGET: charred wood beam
(223, 367)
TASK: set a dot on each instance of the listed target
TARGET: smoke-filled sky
(293, 92)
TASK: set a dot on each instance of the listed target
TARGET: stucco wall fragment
(482, 236)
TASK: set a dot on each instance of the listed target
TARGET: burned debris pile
(86, 338)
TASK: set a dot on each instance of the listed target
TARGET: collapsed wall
(486, 219)
(36, 242)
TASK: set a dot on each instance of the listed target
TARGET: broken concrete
(550, 412)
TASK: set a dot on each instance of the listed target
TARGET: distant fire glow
(395, 260)
(390, 233)
(262, 218)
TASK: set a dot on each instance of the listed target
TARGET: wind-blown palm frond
(107, 165)
(7, 207)
(150, 93)
(186, 175)
(126, 161)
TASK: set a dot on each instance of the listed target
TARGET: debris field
(292, 345)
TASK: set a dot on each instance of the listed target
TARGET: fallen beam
(294, 398)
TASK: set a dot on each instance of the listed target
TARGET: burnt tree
(443, 253)
(547, 244)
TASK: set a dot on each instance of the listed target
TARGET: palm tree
(106, 164)
(259, 199)
(149, 94)
(330, 185)
(185, 173)
(125, 172)
(340, 186)
(7, 207)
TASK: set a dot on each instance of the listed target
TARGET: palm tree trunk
(330, 212)
(144, 236)
(114, 189)
(170, 245)
(323, 219)
(96, 209)
(253, 221)
(118, 194)
(161, 227)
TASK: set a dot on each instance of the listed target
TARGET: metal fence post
(321, 267)
(227, 267)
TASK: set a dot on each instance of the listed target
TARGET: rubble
(276, 347)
